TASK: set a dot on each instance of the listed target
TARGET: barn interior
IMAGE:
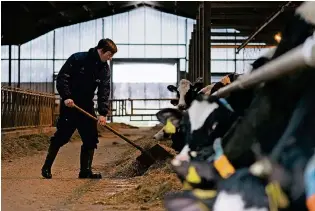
(159, 43)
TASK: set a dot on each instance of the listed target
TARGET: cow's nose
(181, 107)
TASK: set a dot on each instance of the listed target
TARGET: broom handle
(109, 128)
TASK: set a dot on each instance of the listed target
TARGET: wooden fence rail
(25, 109)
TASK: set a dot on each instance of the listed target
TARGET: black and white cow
(237, 102)
(240, 192)
(272, 106)
(186, 92)
(207, 118)
(266, 122)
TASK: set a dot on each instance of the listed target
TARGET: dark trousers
(69, 120)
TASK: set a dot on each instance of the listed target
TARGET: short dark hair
(107, 45)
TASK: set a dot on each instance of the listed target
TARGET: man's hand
(69, 102)
(102, 120)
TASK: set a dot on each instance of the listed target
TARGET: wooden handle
(84, 112)
(111, 129)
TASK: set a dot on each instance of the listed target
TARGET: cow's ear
(171, 88)
(166, 113)
(198, 86)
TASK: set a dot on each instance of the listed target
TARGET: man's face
(105, 56)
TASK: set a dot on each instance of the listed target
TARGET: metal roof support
(195, 54)
(197, 45)
(207, 41)
(190, 60)
(269, 20)
(19, 66)
(10, 65)
(201, 42)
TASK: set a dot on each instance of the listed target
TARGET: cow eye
(214, 125)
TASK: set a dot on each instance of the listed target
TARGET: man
(77, 81)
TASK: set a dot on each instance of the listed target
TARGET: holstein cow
(272, 106)
(208, 118)
(186, 93)
(240, 192)
(267, 123)
(185, 99)
(293, 153)
(208, 90)
(237, 103)
(216, 185)
(291, 146)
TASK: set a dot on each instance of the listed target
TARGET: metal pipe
(195, 53)
(269, 20)
(10, 65)
(285, 64)
(54, 61)
(198, 46)
(19, 66)
(111, 85)
(190, 59)
(207, 42)
(186, 50)
(235, 54)
(201, 40)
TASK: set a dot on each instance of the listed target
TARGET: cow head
(206, 119)
(186, 93)
(242, 191)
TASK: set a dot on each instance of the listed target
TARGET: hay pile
(154, 182)
(127, 166)
(25, 145)
(12, 147)
(151, 189)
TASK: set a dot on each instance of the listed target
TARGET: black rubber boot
(51, 155)
(86, 159)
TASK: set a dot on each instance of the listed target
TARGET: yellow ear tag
(277, 198)
(193, 176)
(169, 127)
(224, 167)
(204, 194)
(186, 186)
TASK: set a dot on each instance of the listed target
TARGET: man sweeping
(77, 81)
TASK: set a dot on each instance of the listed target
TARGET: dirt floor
(125, 185)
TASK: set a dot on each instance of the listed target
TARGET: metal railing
(25, 109)
(129, 108)
(22, 109)
(133, 109)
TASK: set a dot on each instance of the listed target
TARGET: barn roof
(24, 21)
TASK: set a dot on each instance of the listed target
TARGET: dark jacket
(79, 77)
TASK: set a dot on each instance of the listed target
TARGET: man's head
(106, 49)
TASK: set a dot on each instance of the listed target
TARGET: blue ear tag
(217, 147)
(226, 104)
(309, 177)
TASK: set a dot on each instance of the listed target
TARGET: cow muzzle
(181, 107)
